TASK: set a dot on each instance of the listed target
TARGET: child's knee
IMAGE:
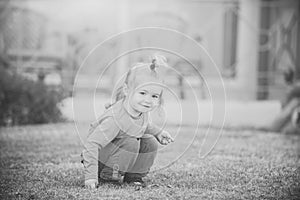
(148, 144)
(130, 144)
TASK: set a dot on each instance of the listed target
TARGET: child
(122, 144)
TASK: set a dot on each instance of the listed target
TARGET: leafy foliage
(24, 101)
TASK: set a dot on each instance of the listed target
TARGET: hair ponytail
(120, 94)
(120, 91)
(158, 61)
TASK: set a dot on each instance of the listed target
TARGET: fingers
(166, 140)
(171, 139)
(163, 142)
(91, 184)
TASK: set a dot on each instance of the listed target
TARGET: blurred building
(32, 46)
(268, 44)
(252, 42)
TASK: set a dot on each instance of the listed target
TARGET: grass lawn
(40, 162)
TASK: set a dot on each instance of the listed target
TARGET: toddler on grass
(122, 144)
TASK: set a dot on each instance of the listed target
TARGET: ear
(125, 89)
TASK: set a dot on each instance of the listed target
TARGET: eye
(155, 96)
(142, 93)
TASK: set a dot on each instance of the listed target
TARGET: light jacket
(115, 122)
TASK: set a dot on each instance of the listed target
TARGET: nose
(148, 99)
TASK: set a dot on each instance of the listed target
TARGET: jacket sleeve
(103, 134)
(153, 130)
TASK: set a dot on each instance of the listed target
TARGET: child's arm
(153, 130)
(163, 137)
(99, 138)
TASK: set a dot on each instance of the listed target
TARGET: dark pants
(127, 156)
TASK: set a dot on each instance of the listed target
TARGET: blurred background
(255, 45)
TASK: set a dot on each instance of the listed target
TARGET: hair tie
(153, 65)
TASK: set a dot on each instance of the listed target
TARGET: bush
(24, 101)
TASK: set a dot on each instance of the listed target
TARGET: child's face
(145, 98)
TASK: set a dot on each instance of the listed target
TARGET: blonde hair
(148, 69)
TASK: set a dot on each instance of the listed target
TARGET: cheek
(135, 98)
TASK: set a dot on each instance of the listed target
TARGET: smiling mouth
(146, 106)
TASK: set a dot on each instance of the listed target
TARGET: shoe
(137, 182)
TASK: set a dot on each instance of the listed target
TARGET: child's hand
(164, 138)
(91, 183)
